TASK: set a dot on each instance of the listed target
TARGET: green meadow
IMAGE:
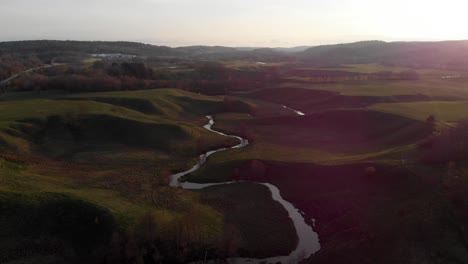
(445, 112)
(430, 87)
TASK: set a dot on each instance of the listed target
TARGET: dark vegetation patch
(203, 107)
(259, 226)
(141, 105)
(58, 134)
(13, 63)
(451, 145)
(61, 229)
(42, 224)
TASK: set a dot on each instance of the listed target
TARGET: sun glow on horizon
(234, 23)
(430, 20)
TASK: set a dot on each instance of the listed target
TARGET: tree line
(203, 77)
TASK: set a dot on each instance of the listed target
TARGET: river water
(308, 240)
(294, 110)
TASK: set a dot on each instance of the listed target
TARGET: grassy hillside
(49, 121)
(172, 103)
(111, 154)
(428, 54)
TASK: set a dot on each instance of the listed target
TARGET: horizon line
(243, 46)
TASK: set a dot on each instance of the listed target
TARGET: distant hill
(53, 48)
(43, 46)
(200, 50)
(451, 54)
(445, 54)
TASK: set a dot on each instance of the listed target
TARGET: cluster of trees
(113, 77)
(14, 63)
(85, 47)
(71, 83)
(205, 77)
(126, 69)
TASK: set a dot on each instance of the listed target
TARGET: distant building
(111, 56)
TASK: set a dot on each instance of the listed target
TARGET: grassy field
(430, 87)
(374, 68)
(169, 102)
(333, 137)
(445, 112)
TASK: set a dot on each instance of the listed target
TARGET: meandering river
(308, 242)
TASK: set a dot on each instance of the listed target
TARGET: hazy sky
(234, 22)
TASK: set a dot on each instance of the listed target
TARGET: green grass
(129, 143)
(170, 102)
(104, 158)
(429, 87)
(127, 204)
(12, 111)
(374, 68)
(446, 112)
(322, 141)
(140, 126)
